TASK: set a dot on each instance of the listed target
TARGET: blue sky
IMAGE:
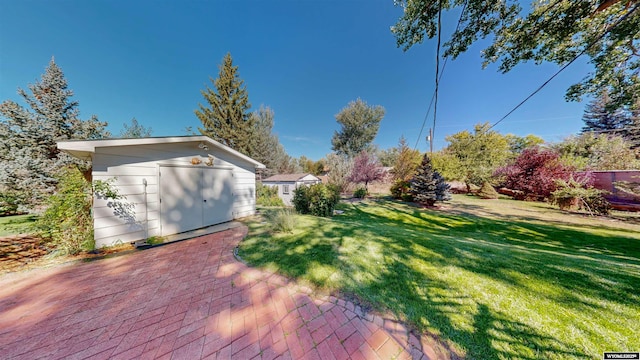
(304, 59)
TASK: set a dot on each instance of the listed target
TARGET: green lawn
(492, 278)
(17, 224)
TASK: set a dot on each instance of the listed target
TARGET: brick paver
(188, 300)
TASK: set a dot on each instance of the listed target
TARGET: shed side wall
(126, 166)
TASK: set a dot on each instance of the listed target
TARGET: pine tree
(226, 118)
(600, 117)
(135, 130)
(632, 132)
(266, 146)
(427, 185)
(28, 151)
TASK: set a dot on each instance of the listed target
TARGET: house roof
(83, 149)
(287, 177)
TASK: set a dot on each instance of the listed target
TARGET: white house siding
(129, 165)
(287, 198)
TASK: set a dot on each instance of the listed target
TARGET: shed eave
(84, 149)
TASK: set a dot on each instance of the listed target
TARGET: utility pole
(430, 140)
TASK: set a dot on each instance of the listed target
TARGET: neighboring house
(171, 185)
(286, 183)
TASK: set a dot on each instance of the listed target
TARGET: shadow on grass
(406, 260)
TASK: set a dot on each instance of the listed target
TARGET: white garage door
(191, 198)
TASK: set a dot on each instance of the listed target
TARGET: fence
(618, 196)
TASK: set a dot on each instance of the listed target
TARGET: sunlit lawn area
(17, 224)
(492, 278)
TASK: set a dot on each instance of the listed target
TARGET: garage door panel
(217, 193)
(181, 199)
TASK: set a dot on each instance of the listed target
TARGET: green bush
(267, 195)
(317, 199)
(401, 190)
(360, 193)
(487, 191)
(8, 204)
(301, 199)
(67, 221)
(281, 220)
(572, 195)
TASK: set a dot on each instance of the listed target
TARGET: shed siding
(129, 165)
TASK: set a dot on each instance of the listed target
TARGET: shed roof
(83, 149)
(287, 177)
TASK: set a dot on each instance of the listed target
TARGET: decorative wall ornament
(209, 161)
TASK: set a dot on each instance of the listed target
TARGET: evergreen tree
(359, 126)
(28, 151)
(226, 118)
(632, 132)
(135, 130)
(427, 185)
(407, 161)
(599, 116)
(266, 146)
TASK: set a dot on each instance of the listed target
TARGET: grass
(493, 279)
(17, 224)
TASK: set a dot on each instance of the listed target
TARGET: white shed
(170, 185)
(286, 183)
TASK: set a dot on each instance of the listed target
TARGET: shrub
(360, 193)
(401, 190)
(267, 195)
(574, 195)
(67, 221)
(8, 204)
(487, 191)
(301, 199)
(281, 220)
(535, 172)
(317, 199)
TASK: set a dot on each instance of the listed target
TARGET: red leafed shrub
(535, 172)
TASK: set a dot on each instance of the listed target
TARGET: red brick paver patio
(187, 300)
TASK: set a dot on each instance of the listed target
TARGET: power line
(621, 19)
(435, 103)
(444, 65)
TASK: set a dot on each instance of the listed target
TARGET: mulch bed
(24, 252)
(18, 251)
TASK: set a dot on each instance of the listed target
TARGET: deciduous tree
(554, 31)
(517, 144)
(28, 152)
(535, 173)
(225, 117)
(359, 125)
(339, 170)
(366, 169)
(478, 154)
(591, 151)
